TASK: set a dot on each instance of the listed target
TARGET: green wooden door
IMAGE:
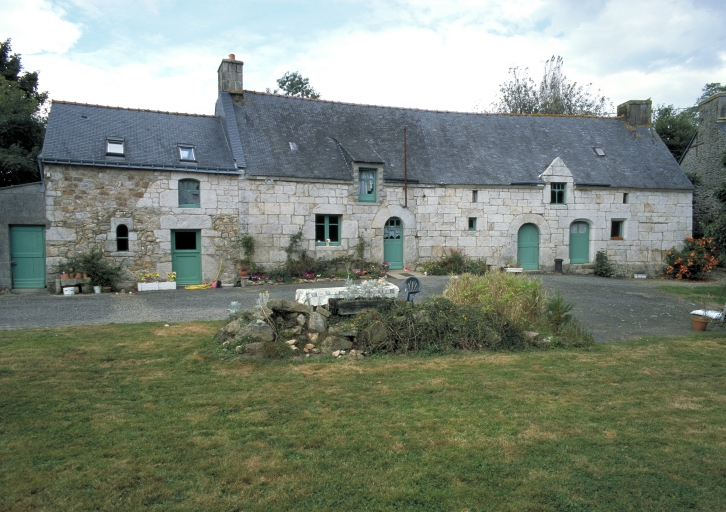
(579, 242)
(27, 256)
(186, 256)
(393, 243)
(528, 247)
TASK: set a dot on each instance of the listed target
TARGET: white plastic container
(69, 290)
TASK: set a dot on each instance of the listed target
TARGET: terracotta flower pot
(78, 275)
(64, 275)
(699, 323)
(243, 273)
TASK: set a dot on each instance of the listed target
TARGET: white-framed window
(115, 146)
(187, 154)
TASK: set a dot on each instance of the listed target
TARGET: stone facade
(85, 205)
(705, 155)
(436, 220)
(19, 205)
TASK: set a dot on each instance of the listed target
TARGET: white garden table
(320, 296)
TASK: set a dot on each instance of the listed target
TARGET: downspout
(405, 171)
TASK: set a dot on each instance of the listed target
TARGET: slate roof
(76, 133)
(446, 147)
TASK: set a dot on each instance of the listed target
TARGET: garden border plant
(455, 262)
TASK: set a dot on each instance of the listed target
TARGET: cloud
(37, 26)
(439, 55)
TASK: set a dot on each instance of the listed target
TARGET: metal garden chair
(411, 287)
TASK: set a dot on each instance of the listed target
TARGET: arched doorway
(528, 247)
(393, 243)
(579, 242)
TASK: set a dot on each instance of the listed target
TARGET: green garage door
(186, 256)
(528, 247)
(579, 242)
(27, 256)
(393, 243)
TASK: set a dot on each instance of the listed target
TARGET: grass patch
(136, 416)
(714, 295)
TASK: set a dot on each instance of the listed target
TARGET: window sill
(557, 206)
(331, 246)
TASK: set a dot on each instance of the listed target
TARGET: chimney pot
(231, 56)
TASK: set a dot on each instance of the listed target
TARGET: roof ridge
(132, 109)
(585, 116)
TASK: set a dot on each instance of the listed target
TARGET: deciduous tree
(555, 94)
(675, 127)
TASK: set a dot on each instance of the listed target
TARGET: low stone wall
(305, 331)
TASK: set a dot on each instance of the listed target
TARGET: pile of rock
(305, 331)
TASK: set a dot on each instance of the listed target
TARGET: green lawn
(125, 417)
(712, 295)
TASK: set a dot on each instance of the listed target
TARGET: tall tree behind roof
(675, 127)
(22, 120)
(294, 84)
(554, 95)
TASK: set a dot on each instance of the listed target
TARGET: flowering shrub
(698, 257)
(150, 277)
(171, 276)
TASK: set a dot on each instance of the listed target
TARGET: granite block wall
(86, 204)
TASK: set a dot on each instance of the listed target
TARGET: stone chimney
(636, 113)
(717, 103)
(229, 75)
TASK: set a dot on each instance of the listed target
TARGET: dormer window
(186, 154)
(114, 147)
(598, 151)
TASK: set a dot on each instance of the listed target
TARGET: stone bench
(82, 285)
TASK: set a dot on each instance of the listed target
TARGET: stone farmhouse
(165, 191)
(704, 157)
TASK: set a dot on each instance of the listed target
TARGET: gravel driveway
(613, 309)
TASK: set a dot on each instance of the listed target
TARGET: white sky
(435, 54)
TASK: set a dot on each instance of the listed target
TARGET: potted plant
(701, 317)
(101, 272)
(699, 321)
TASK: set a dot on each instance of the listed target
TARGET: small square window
(115, 147)
(367, 185)
(186, 154)
(472, 223)
(616, 230)
(327, 230)
(474, 196)
(625, 198)
(557, 193)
